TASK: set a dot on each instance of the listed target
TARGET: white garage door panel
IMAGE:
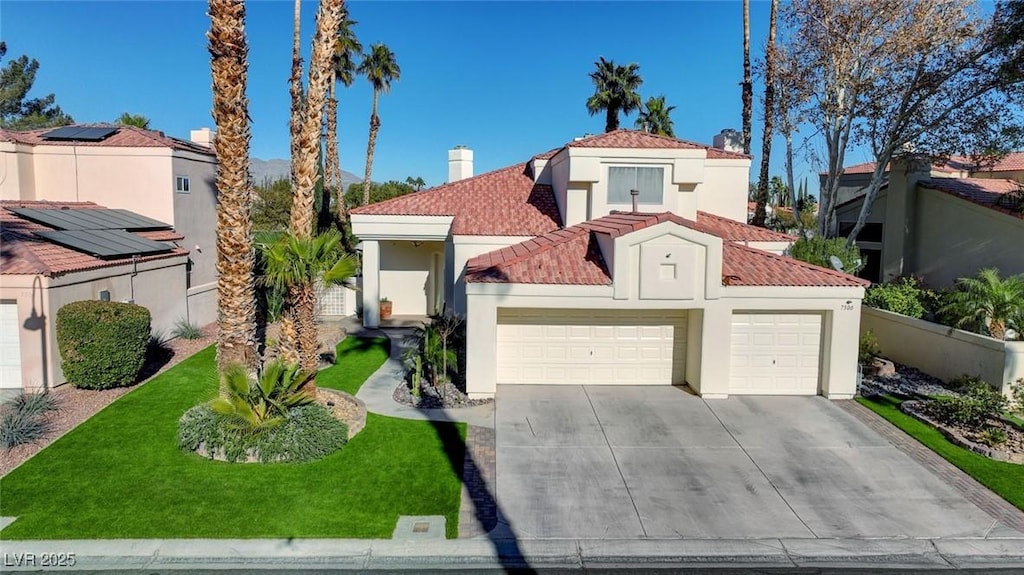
(10, 347)
(590, 347)
(775, 354)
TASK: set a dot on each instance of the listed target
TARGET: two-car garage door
(770, 353)
(591, 347)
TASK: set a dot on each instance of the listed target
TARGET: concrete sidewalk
(378, 390)
(151, 556)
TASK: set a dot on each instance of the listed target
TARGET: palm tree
(236, 294)
(306, 140)
(760, 213)
(346, 46)
(655, 117)
(748, 86)
(987, 300)
(295, 86)
(137, 120)
(380, 69)
(417, 183)
(299, 264)
(615, 90)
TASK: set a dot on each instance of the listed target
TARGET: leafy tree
(615, 91)
(819, 251)
(298, 264)
(137, 120)
(987, 301)
(763, 193)
(655, 117)
(417, 183)
(272, 205)
(930, 76)
(378, 192)
(236, 292)
(16, 111)
(381, 69)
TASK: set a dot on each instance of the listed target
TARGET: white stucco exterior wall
(405, 275)
(724, 189)
(158, 285)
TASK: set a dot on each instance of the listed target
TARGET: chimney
(729, 140)
(203, 137)
(460, 163)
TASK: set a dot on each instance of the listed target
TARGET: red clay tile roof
(1011, 163)
(733, 231)
(573, 257)
(24, 253)
(505, 202)
(125, 137)
(743, 266)
(636, 139)
(998, 195)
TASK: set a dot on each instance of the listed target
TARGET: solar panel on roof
(89, 219)
(79, 133)
(105, 244)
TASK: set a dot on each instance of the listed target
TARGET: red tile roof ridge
(438, 189)
(767, 235)
(854, 280)
(590, 141)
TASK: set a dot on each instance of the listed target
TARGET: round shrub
(102, 343)
(904, 296)
(308, 433)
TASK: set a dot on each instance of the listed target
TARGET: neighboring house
(145, 171)
(562, 281)
(40, 272)
(855, 179)
(942, 228)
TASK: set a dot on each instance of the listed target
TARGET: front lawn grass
(362, 356)
(121, 475)
(1005, 479)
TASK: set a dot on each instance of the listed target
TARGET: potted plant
(385, 308)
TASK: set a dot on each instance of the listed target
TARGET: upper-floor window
(650, 182)
(181, 184)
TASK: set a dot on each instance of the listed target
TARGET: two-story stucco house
(564, 280)
(168, 179)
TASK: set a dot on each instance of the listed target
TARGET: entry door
(775, 353)
(10, 347)
(587, 347)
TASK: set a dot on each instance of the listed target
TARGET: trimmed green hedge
(102, 343)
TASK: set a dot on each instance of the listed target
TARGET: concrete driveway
(657, 462)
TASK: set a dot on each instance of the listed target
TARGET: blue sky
(507, 79)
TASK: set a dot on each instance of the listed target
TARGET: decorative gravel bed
(448, 397)
(1012, 450)
(76, 405)
(908, 382)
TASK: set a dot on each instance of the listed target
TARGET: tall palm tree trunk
(748, 86)
(295, 87)
(236, 294)
(760, 213)
(611, 119)
(370, 145)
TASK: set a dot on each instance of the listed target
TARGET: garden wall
(942, 351)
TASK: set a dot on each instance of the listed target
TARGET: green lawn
(1005, 479)
(121, 475)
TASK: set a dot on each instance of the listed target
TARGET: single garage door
(602, 347)
(775, 353)
(10, 347)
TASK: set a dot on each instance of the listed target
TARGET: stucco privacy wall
(956, 238)
(944, 352)
(158, 285)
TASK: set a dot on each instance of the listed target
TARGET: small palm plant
(987, 301)
(256, 405)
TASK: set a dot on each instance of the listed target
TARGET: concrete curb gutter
(567, 554)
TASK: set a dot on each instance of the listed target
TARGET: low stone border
(911, 408)
(347, 408)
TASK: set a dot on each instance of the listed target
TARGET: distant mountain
(276, 169)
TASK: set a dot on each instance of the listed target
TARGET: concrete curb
(568, 554)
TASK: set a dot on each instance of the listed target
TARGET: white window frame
(183, 184)
(640, 199)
